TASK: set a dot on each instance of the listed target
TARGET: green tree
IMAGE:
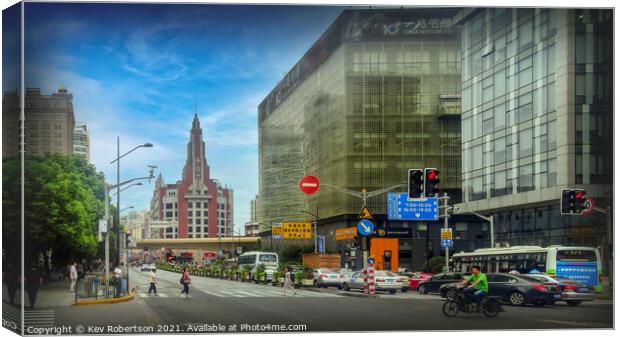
(63, 201)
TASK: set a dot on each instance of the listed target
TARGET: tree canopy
(63, 199)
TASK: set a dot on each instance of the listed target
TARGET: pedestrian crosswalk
(32, 318)
(243, 292)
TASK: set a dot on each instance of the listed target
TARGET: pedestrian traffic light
(416, 184)
(431, 182)
(573, 201)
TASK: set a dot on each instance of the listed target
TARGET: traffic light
(416, 183)
(431, 182)
(573, 201)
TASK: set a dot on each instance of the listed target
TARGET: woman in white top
(288, 282)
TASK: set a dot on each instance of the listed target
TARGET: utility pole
(446, 215)
(107, 232)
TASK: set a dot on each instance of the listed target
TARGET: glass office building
(536, 118)
(377, 94)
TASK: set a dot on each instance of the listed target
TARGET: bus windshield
(267, 258)
(575, 255)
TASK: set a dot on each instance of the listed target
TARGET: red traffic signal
(431, 182)
(573, 202)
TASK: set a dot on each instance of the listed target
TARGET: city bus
(582, 264)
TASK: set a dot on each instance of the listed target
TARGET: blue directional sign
(371, 260)
(365, 227)
(320, 240)
(401, 208)
(447, 243)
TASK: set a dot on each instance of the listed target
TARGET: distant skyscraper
(49, 122)
(198, 205)
(252, 226)
(81, 142)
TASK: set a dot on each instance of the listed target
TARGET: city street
(229, 302)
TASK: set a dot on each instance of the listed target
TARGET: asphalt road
(219, 305)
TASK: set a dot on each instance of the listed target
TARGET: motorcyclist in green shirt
(478, 286)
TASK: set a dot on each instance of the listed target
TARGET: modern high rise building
(81, 142)
(252, 227)
(537, 100)
(49, 123)
(376, 95)
(197, 206)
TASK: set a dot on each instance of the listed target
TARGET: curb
(350, 294)
(107, 300)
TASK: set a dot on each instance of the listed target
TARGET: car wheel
(551, 302)
(339, 287)
(346, 287)
(539, 304)
(316, 284)
(451, 295)
(405, 290)
(516, 298)
(422, 289)
(392, 291)
(573, 303)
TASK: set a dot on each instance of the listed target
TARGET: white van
(253, 259)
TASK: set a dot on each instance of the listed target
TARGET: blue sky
(135, 69)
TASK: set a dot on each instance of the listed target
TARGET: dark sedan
(432, 284)
(514, 289)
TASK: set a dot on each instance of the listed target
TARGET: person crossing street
(288, 282)
(153, 282)
(185, 281)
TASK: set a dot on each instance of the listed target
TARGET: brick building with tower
(196, 206)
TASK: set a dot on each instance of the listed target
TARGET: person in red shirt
(185, 281)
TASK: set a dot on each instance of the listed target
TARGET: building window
(525, 143)
(198, 228)
(169, 205)
(189, 205)
(197, 213)
(197, 221)
(526, 178)
(189, 213)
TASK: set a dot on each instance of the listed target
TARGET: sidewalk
(50, 295)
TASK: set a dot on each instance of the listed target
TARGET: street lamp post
(491, 225)
(108, 188)
(118, 189)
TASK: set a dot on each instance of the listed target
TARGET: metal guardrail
(97, 287)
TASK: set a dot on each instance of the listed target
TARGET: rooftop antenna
(195, 102)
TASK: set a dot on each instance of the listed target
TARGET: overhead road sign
(400, 207)
(276, 231)
(297, 230)
(365, 227)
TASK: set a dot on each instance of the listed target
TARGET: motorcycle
(489, 306)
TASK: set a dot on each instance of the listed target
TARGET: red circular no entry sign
(309, 184)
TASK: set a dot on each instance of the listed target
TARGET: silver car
(384, 281)
(324, 278)
(573, 292)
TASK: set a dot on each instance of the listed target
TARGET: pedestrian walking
(153, 282)
(288, 282)
(73, 275)
(32, 280)
(185, 281)
(118, 273)
(11, 278)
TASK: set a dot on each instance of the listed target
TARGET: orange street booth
(386, 253)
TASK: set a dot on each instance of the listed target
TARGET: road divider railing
(301, 275)
(100, 287)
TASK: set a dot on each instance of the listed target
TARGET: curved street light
(124, 188)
